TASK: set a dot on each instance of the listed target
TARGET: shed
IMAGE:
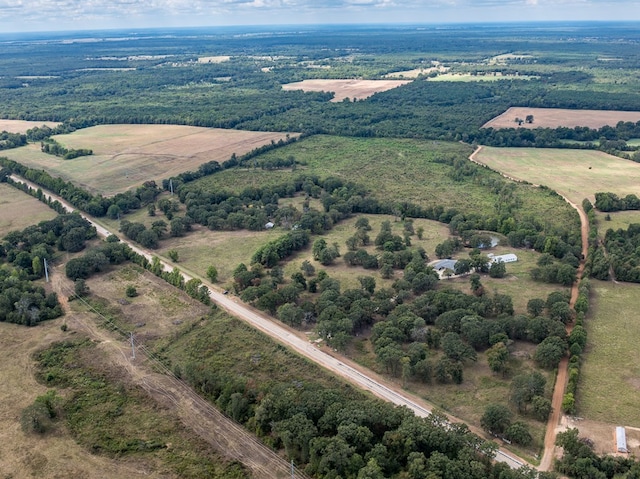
(621, 439)
(269, 225)
(504, 258)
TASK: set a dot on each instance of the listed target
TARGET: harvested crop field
(557, 117)
(576, 174)
(19, 210)
(354, 89)
(128, 155)
(21, 126)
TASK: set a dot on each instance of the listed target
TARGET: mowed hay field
(19, 210)
(556, 117)
(610, 375)
(21, 126)
(576, 174)
(353, 89)
(125, 156)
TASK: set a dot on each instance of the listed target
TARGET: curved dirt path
(353, 373)
(546, 463)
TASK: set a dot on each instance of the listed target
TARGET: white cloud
(18, 15)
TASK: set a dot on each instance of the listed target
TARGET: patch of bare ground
(21, 126)
(603, 435)
(353, 89)
(557, 117)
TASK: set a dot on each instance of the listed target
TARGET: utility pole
(171, 185)
(293, 470)
(46, 270)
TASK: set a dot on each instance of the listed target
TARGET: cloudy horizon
(59, 15)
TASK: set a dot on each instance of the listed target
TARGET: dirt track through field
(553, 423)
(227, 437)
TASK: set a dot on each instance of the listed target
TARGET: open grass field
(610, 375)
(19, 210)
(556, 117)
(128, 155)
(352, 89)
(395, 170)
(619, 219)
(576, 174)
(223, 249)
(21, 126)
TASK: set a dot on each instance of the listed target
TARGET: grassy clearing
(619, 219)
(517, 283)
(222, 249)
(229, 346)
(576, 174)
(395, 170)
(610, 381)
(57, 454)
(112, 418)
(125, 156)
(157, 310)
(19, 210)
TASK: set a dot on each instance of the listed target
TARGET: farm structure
(621, 439)
(502, 258)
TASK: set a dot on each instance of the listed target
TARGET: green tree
(541, 408)
(173, 255)
(535, 306)
(496, 418)
(550, 351)
(212, 273)
(518, 432)
(498, 357)
(498, 269)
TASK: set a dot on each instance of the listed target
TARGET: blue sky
(46, 15)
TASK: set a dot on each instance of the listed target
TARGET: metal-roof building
(621, 439)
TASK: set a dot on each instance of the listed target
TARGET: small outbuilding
(621, 439)
(269, 225)
(503, 258)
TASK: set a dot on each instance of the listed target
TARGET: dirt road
(561, 379)
(351, 372)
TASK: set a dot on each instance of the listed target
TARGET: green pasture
(610, 374)
(576, 174)
(618, 220)
(19, 210)
(396, 170)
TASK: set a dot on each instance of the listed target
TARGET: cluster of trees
(624, 254)
(52, 147)
(579, 459)
(562, 272)
(607, 138)
(611, 202)
(24, 253)
(10, 140)
(150, 237)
